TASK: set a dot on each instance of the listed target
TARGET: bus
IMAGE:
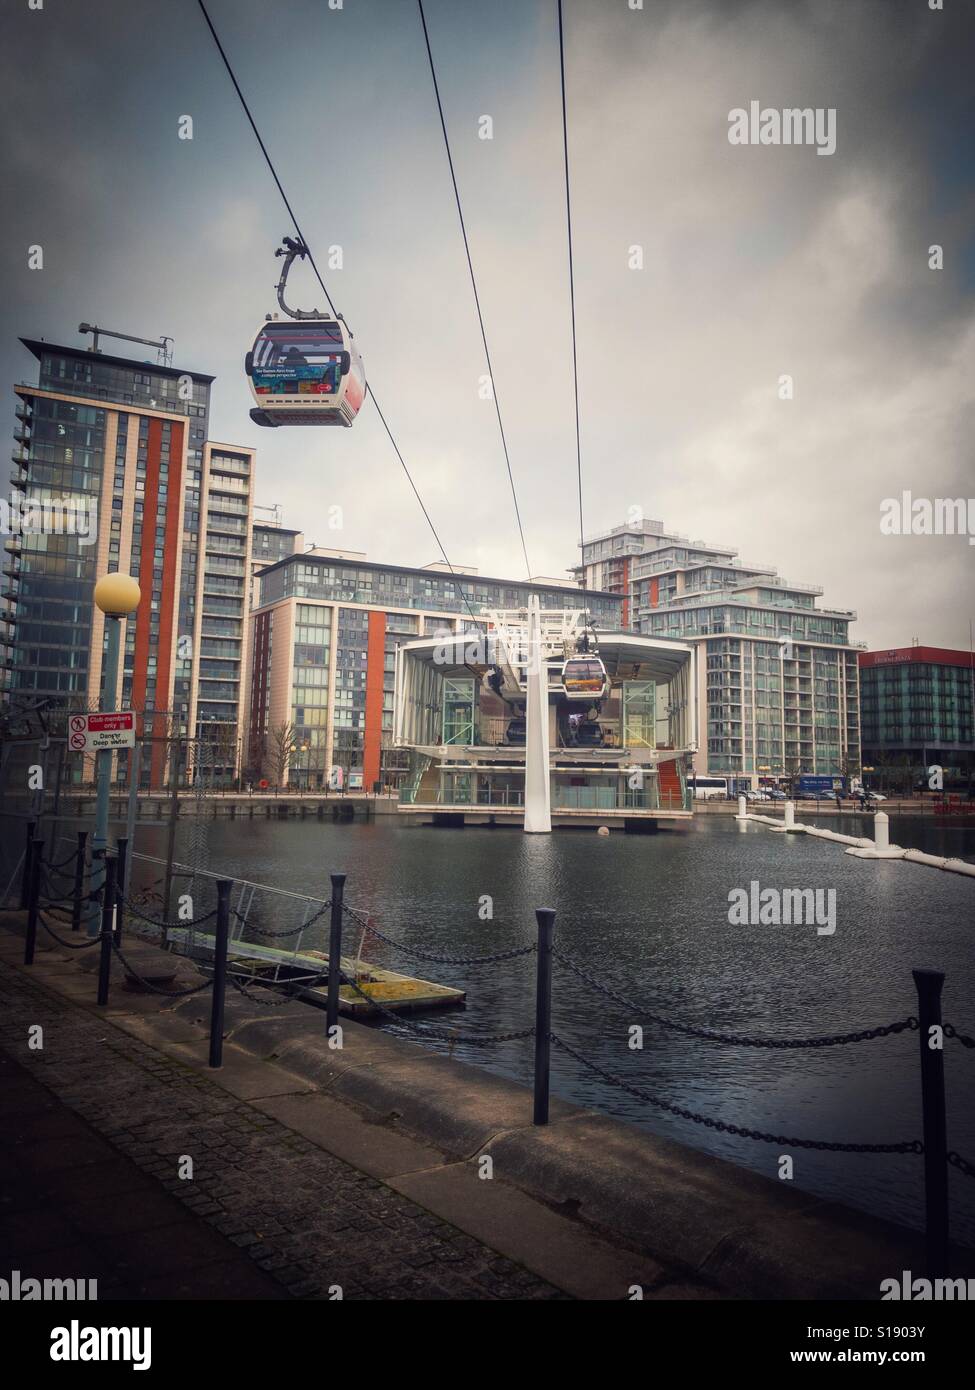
(709, 788)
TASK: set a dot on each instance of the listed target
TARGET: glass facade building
(118, 435)
(918, 710)
(125, 442)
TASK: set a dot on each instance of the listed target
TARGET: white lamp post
(117, 595)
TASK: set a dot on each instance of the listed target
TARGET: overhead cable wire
(477, 298)
(284, 197)
(572, 293)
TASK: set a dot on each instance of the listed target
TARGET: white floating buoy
(603, 830)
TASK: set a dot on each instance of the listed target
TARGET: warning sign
(87, 733)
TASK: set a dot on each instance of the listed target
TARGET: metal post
(105, 950)
(545, 916)
(57, 788)
(103, 772)
(121, 884)
(538, 779)
(25, 876)
(79, 880)
(135, 777)
(224, 886)
(37, 849)
(929, 984)
(171, 835)
(334, 953)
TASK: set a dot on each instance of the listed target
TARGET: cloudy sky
(758, 262)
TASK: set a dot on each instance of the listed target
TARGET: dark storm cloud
(758, 261)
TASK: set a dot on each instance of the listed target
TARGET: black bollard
(929, 984)
(33, 899)
(105, 950)
(79, 880)
(334, 954)
(25, 876)
(224, 886)
(545, 916)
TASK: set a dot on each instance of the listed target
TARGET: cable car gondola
(584, 678)
(515, 734)
(305, 369)
(587, 733)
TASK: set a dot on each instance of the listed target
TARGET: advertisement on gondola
(291, 359)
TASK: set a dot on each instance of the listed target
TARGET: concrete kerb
(745, 1232)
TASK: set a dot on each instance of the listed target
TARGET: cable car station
(606, 744)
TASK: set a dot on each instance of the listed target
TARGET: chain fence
(732, 1039)
(905, 1146)
(371, 929)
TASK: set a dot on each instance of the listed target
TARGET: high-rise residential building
(217, 590)
(124, 442)
(778, 676)
(325, 634)
(607, 559)
(918, 710)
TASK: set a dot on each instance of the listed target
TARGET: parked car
(874, 796)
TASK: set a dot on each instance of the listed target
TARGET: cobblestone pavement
(308, 1219)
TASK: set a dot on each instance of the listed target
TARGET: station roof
(626, 655)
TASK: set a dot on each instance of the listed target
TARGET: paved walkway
(93, 1129)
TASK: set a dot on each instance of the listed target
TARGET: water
(649, 914)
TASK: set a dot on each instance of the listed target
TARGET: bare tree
(225, 747)
(281, 739)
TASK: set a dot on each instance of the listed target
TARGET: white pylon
(538, 792)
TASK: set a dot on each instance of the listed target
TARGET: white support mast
(538, 792)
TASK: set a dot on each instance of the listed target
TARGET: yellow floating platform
(401, 993)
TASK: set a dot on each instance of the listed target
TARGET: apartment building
(778, 685)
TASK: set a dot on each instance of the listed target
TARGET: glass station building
(616, 759)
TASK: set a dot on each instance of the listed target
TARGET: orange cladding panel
(375, 661)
